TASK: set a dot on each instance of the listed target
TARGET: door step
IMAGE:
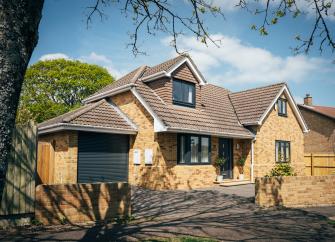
(228, 183)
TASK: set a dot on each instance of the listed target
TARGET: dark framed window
(282, 107)
(193, 149)
(183, 93)
(283, 151)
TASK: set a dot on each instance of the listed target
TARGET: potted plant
(241, 163)
(219, 162)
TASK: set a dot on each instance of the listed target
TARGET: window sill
(189, 105)
(194, 164)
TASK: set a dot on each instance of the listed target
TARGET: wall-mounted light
(237, 146)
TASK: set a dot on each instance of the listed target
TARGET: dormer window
(183, 93)
(282, 107)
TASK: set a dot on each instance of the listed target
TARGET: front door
(225, 150)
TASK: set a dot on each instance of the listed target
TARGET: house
(321, 122)
(162, 127)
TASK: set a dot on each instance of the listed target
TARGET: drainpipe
(252, 159)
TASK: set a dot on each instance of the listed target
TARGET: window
(183, 93)
(283, 151)
(282, 107)
(193, 149)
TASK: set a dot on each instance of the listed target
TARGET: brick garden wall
(295, 191)
(77, 203)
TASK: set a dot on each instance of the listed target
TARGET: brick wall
(295, 191)
(274, 128)
(321, 137)
(62, 160)
(78, 203)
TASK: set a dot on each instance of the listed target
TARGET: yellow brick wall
(274, 128)
(295, 191)
(65, 153)
(78, 203)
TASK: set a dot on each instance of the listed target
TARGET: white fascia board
(225, 135)
(193, 69)
(65, 126)
(109, 93)
(154, 76)
(159, 126)
(293, 104)
(169, 73)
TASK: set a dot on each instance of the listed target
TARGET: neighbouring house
(321, 122)
(163, 127)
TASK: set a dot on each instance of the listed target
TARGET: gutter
(88, 128)
(114, 91)
(225, 135)
(154, 76)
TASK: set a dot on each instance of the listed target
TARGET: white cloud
(238, 62)
(54, 56)
(299, 99)
(92, 58)
(104, 61)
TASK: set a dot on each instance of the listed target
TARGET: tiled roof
(327, 111)
(99, 114)
(209, 119)
(251, 104)
(129, 78)
(165, 66)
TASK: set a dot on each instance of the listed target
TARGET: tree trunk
(19, 20)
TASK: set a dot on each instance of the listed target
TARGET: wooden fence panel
(19, 188)
(320, 164)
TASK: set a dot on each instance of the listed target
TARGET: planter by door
(225, 150)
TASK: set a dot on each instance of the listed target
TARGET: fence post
(312, 166)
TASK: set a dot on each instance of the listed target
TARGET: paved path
(207, 213)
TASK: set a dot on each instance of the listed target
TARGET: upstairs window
(282, 107)
(183, 93)
(283, 151)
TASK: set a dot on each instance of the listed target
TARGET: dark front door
(225, 150)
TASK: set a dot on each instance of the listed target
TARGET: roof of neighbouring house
(323, 110)
(98, 115)
(250, 105)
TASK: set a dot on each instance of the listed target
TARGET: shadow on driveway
(207, 213)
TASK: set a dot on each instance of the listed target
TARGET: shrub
(283, 169)
(241, 163)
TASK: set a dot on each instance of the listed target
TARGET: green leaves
(54, 87)
(263, 31)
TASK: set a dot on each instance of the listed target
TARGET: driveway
(215, 213)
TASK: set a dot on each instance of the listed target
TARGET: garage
(102, 157)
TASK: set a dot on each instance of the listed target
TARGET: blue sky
(244, 60)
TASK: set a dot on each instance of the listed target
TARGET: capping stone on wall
(78, 203)
(295, 191)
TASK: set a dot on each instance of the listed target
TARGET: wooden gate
(19, 188)
(45, 163)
